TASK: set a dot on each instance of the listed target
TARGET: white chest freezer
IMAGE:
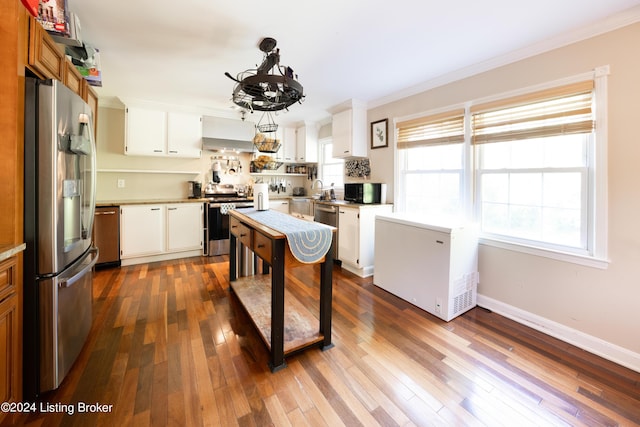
(431, 265)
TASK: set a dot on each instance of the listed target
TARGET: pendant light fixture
(271, 86)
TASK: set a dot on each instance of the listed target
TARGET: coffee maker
(195, 189)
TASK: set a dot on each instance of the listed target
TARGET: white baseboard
(362, 272)
(161, 257)
(604, 349)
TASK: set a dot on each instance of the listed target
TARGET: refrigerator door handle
(66, 282)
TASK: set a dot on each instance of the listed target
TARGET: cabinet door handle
(261, 245)
(173, 151)
(157, 151)
(155, 209)
(172, 209)
(243, 234)
(106, 213)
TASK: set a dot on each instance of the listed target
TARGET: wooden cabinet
(349, 133)
(91, 98)
(72, 79)
(184, 226)
(141, 230)
(356, 234)
(45, 58)
(163, 231)
(159, 133)
(10, 339)
(307, 144)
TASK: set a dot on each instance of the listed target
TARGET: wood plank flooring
(171, 346)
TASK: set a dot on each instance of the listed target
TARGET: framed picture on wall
(379, 136)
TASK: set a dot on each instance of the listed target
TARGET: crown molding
(611, 23)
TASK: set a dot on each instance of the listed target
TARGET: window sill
(587, 261)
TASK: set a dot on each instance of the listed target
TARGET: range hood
(227, 134)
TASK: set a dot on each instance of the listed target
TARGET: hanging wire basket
(269, 125)
(265, 140)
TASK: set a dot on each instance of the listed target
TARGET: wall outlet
(121, 183)
(439, 305)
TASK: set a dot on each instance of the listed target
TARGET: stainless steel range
(219, 201)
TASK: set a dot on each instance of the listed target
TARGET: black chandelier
(270, 87)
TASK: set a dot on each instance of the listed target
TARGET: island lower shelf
(300, 325)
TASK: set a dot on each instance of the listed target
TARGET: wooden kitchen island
(284, 323)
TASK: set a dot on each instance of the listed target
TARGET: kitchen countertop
(103, 203)
(348, 204)
(7, 251)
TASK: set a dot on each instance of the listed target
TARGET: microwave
(363, 192)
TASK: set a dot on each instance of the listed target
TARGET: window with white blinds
(431, 164)
(534, 168)
(530, 169)
(560, 111)
(443, 128)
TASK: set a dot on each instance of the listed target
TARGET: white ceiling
(176, 52)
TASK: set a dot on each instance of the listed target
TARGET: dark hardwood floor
(171, 346)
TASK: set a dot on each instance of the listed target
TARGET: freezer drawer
(65, 319)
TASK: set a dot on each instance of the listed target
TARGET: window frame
(597, 210)
(321, 164)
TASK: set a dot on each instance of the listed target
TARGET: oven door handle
(323, 209)
(68, 281)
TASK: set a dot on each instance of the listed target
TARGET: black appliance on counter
(195, 189)
(363, 192)
(217, 218)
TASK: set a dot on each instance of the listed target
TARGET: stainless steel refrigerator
(60, 176)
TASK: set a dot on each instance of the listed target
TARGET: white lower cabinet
(141, 230)
(158, 232)
(356, 234)
(184, 227)
(279, 205)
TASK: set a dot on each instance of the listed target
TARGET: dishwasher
(106, 235)
(301, 206)
(328, 214)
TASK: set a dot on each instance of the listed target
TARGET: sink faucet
(313, 186)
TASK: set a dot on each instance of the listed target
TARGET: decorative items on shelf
(263, 162)
(357, 168)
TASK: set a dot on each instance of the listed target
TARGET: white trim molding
(597, 346)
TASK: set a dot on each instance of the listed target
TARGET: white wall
(598, 309)
(146, 186)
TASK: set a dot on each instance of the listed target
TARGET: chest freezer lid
(443, 225)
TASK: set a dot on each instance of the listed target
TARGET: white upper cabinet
(151, 132)
(145, 132)
(349, 133)
(307, 144)
(289, 144)
(184, 135)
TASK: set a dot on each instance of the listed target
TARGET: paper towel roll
(261, 197)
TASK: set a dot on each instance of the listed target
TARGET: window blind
(443, 128)
(559, 111)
